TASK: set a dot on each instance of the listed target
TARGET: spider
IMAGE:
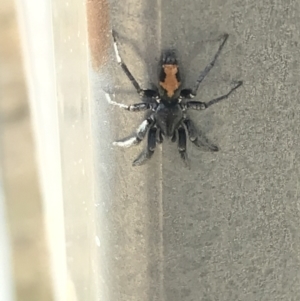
(168, 106)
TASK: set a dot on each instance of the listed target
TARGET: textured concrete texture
(228, 229)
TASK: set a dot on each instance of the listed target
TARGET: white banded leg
(138, 137)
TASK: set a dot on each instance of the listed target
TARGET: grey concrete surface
(228, 229)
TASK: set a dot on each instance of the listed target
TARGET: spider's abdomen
(168, 118)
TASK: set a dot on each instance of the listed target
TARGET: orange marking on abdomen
(171, 83)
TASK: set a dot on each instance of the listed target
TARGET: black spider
(169, 105)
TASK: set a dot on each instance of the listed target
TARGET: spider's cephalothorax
(169, 105)
(169, 77)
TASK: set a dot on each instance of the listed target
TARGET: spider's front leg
(149, 151)
(191, 93)
(152, 94)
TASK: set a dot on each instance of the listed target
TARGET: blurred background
(22, 195)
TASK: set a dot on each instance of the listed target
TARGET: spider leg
(143, 93)
(216, 100)
(159, 137)
(137, 107)
(149, 151)
(182, 145)
(194, 105)
(198, 138)
(174, 137)
(198, 105)
(193, 92)
(138, 137)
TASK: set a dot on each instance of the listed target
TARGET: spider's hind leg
(149, 151)
(138, 137)
(182, 146)
(198, 138)
(159, 136)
